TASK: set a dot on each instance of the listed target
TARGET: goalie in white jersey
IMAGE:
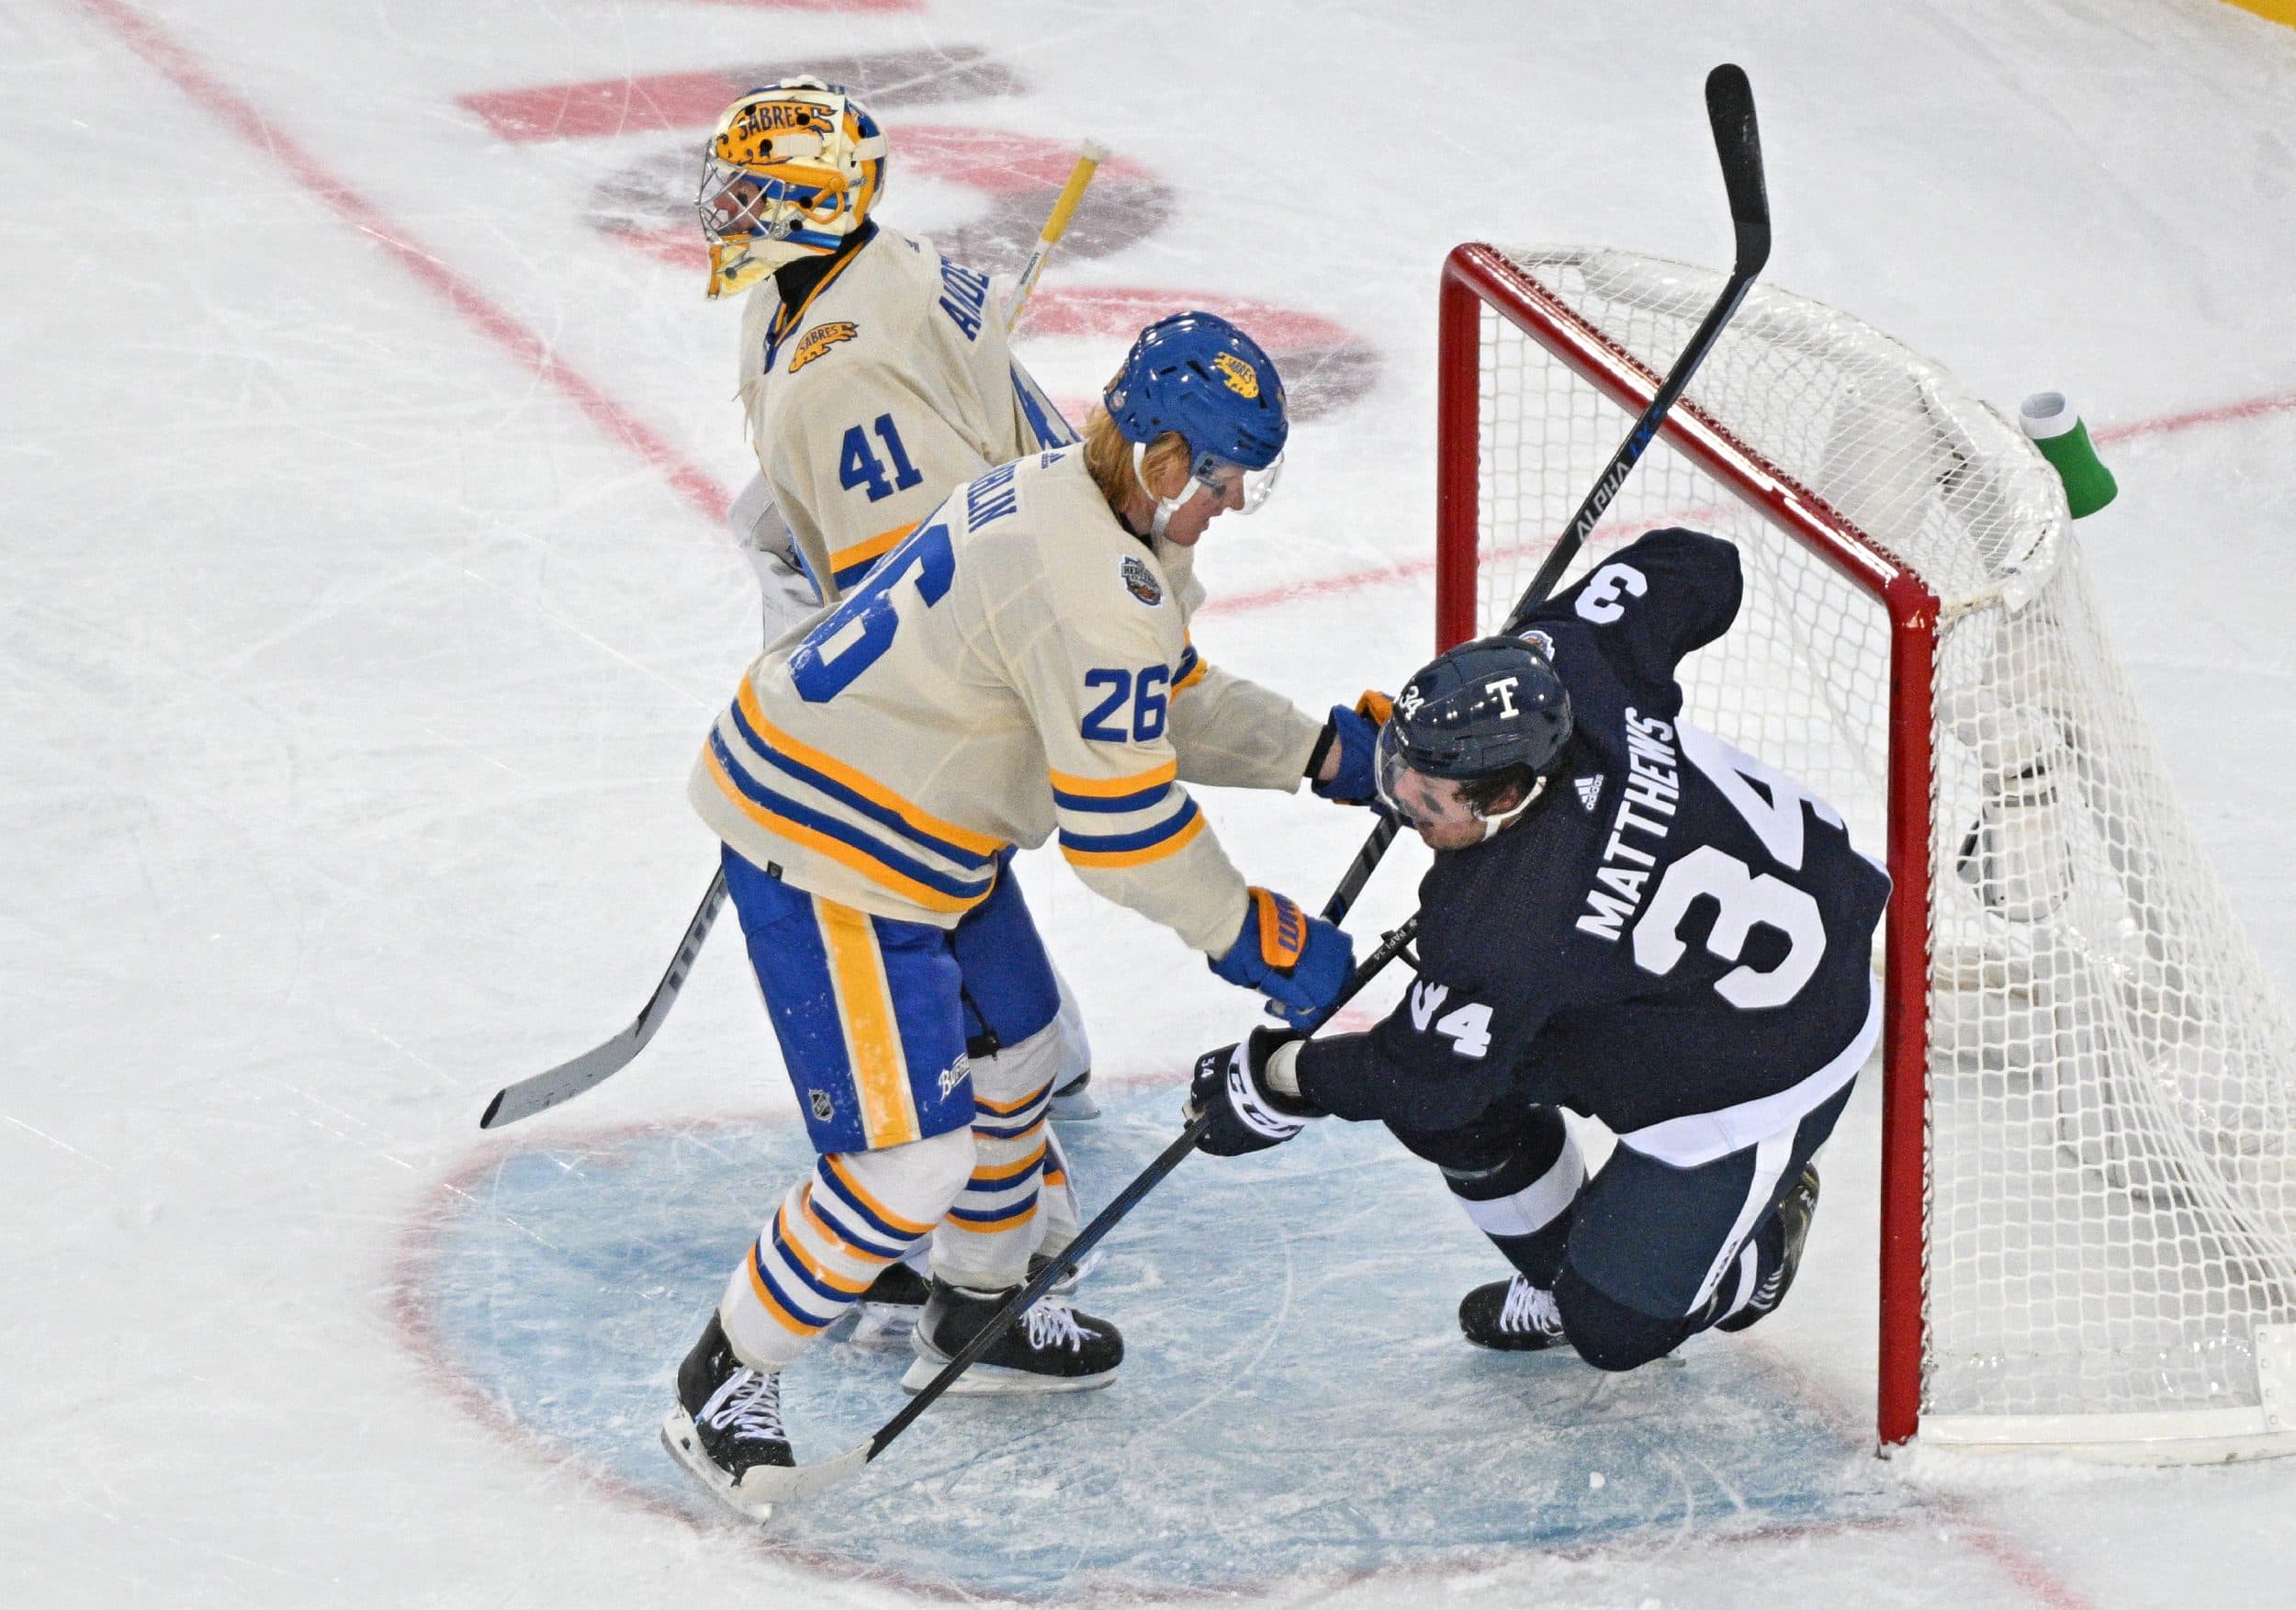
(1018, 666)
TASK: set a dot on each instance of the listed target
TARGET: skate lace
(1530, 1308)
(749, 1403)
(1051, 1324)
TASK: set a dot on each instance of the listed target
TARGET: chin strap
(1165, 507)
(1492, 824)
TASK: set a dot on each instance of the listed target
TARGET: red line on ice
(188, 73)
(184, 70)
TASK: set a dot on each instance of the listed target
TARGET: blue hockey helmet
(1474, 712)
(1199, 375)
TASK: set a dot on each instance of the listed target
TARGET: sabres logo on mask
(1242, 379)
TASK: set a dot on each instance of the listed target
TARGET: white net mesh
(2112, 1202)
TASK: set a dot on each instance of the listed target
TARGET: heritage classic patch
(818, 340)
(1140, 582)
(1542, 642)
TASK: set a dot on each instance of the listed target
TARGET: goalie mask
(1477, 710)
(792, 172)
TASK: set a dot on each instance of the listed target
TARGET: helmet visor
(1232, 485)
(1388, 770)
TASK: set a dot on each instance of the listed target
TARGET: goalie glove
(1356, 733)
(1300, 963)
(1234, 1084)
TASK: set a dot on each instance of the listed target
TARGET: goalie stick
(763, 1485)
(545, 1090)
(1738, 141)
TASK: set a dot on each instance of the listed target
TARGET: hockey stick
(568, 1079)
(1090, 154)
(779, 1484)
(1738, 141)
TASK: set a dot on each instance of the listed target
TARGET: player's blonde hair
(1110, 458)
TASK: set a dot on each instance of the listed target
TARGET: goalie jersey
(887, 385)
(1675, 934)
(1017, 665)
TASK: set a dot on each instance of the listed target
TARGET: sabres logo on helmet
(1242, 377)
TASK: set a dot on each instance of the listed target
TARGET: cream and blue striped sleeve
(1232, 733)
(1095, 671)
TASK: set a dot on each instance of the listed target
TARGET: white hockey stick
(569, 1080)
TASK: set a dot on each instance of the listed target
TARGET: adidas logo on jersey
(1590, 791)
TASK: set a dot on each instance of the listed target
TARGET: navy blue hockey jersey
(1674, 928)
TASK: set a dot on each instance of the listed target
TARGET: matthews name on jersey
(886, 385)
(1016, 667)
(1688, 895)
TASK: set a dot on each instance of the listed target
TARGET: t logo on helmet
(1505, 689)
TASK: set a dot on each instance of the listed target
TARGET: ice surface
(1323, 1371)
(360, 625)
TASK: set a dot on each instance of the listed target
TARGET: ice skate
(1511, 1316)
(1050, 1348)
(888, 1310)
(1065, 1287)
(727, 1422)
(1793, 1217)
(1073, 1102)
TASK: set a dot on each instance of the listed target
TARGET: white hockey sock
(835, 1232)
(985, 1241)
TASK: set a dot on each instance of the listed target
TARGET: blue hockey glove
(1246, 1115)
(1300, 963)
(1356, 733)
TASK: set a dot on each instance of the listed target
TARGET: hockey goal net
(2088, 1217)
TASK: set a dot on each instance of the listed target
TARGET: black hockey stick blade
(763, 1485)
(595, 1066)
(1737, 140)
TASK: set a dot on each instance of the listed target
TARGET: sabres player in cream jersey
(874, 375)
(1016, 669)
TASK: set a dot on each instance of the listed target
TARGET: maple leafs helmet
(792, 171)
(1475, 712)
(1197, 373)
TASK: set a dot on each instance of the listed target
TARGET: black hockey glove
(1231, 1085)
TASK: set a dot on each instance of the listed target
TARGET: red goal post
(1913, 588)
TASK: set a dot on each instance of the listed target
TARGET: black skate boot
(888, 1308)
(1065, 1287)
(1050, 1348)
(1073, 1102)
(1794, 1214)
(1512, 1316)
(728, 1420)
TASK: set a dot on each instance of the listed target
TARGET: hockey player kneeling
(1626, 917)
(1017, 669)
